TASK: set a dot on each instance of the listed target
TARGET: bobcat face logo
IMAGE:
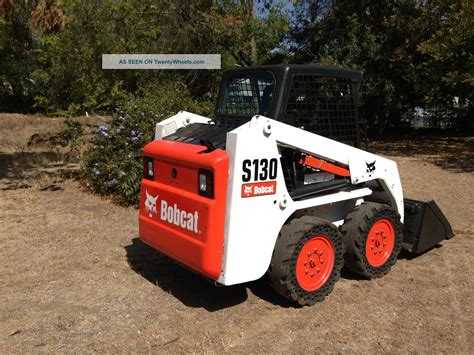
(150, 204)
(248, 189)
(370, 167)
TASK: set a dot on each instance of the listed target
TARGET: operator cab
(318, 99)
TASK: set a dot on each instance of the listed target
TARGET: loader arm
(363, 166)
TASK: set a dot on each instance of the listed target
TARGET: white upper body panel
(253, 223)
(172, 124)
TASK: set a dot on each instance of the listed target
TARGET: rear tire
(373, 236)
(307, 260)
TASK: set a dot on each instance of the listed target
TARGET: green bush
(112, 160)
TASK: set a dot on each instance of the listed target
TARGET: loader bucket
(425, 226)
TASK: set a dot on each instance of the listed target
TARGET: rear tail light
(149, 172)
(206, 183)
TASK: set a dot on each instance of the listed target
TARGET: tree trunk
(253, 43)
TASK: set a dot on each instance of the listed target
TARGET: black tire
(291, 240)
(355, 232)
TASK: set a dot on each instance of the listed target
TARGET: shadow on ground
(455, 154)
(19, 168)
(194, 291)
(406, 255)
(191, 289)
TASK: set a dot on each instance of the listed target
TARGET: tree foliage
(16, 55)
(54, 62)
(417, 55)
(47, 16)
(414, 54)
(250, 34)
(446, 77)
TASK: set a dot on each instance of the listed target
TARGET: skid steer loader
(276, 183)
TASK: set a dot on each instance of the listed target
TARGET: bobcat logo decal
(370, 167)
(255, 189)
(150, 204)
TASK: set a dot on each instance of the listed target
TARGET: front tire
(307, 260)
(373, 236)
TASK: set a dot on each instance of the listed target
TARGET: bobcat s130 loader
(276, 183)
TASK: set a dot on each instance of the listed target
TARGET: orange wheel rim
(315, 263)
(380, 242)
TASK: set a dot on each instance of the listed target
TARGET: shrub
(112, 160)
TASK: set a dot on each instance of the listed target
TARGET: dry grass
(41, 164)
(75, 278)
(16, 129)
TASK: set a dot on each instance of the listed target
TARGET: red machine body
(174, 217)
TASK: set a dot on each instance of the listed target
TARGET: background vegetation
(416, 55)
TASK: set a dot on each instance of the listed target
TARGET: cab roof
(325, 70)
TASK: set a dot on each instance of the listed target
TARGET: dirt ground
(75, 278)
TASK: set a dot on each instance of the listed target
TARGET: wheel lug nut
(309, 254)
(321, 262)
(372, 247)
(305, 263)
(318, 270)
(312, 274)
(306, 272)
(315, 250)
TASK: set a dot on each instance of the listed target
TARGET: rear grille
(197, 133)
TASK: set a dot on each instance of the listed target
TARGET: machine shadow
(262, 289)
(406, 255)
(194, 291)
(191, 289)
